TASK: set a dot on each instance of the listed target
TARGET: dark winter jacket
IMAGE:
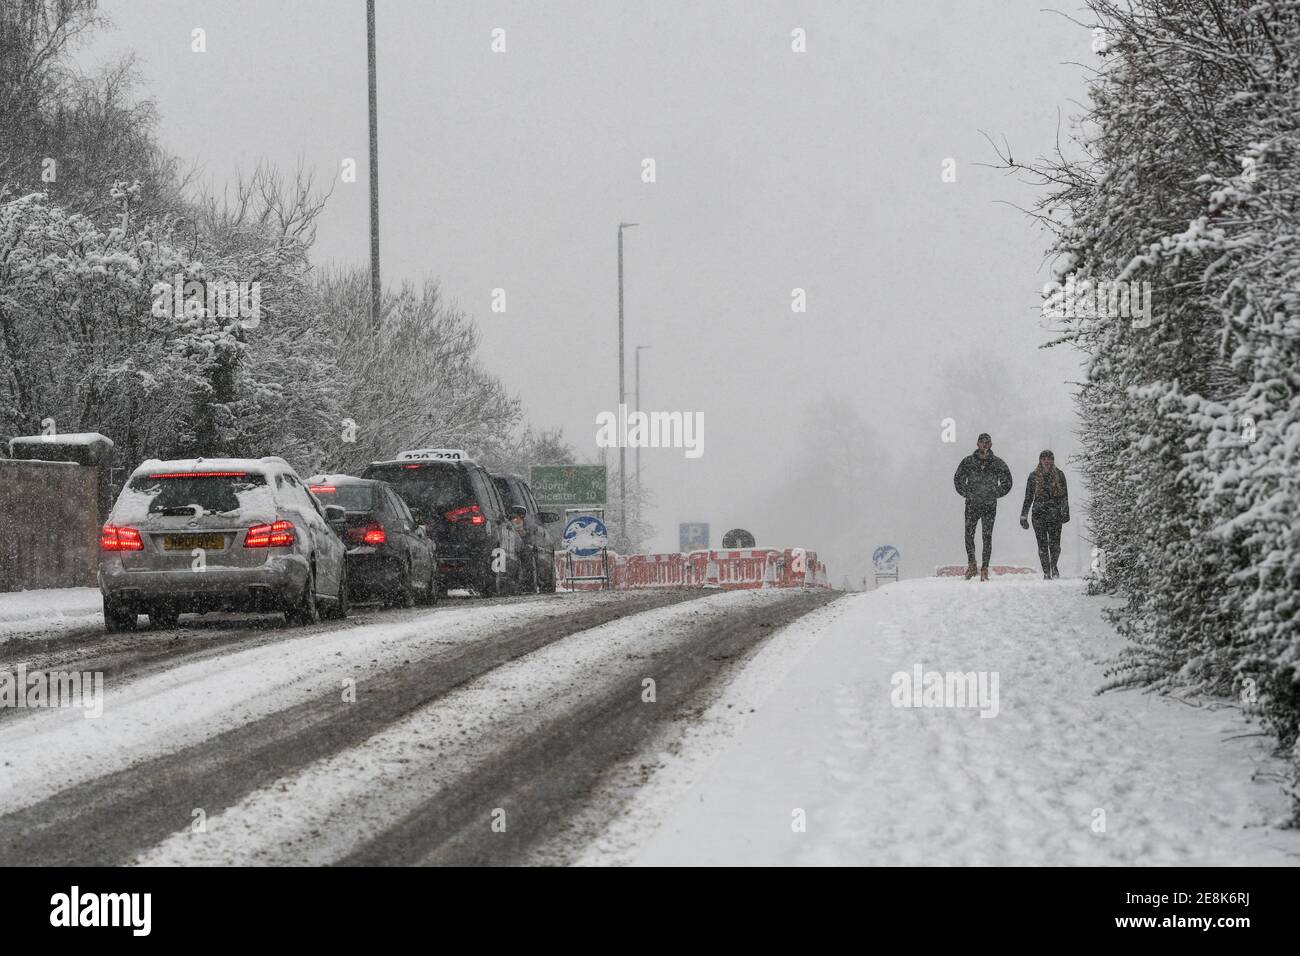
(1047, 506)
(982, 480)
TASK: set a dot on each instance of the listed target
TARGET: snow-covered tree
(77, 342)
(415, 381)
(69, 135)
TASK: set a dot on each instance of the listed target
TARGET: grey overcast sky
(775, 170)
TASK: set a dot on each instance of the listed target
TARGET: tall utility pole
(637, 387)
(622, 394)
(375, 288)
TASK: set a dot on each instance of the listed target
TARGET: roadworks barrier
(995, 570)
(722, 570)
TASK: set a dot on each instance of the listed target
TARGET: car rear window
(347, 497)
(217, 492)
(433, 487)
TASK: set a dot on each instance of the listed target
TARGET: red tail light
(372, 534)
(120, 539)
(471, 513)
(277, 535)
(201, 474)
(323, 489)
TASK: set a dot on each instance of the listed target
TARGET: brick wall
(49, 525)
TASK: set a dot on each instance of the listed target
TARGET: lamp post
(375, 293)
(622, 394)
(637, 387)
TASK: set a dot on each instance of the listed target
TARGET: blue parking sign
(692, 536)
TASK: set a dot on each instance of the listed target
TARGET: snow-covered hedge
(1190, 179)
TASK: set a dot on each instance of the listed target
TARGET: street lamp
(638, 408)
(376, 290)
(622, 394)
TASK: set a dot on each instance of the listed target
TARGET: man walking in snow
(981, 478)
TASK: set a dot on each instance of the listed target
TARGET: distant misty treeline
(1185, 172)
(95, 218)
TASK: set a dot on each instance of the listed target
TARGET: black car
(390, 555)
(455, 498)
(531, 523)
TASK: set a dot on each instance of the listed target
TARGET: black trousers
(1047, 529)
(982, 513)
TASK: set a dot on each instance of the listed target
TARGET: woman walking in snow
(1047, 493)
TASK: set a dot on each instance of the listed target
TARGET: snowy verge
(47, 609)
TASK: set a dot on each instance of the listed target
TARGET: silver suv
(212, 534)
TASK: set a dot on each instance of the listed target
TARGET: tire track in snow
(104, 820)
(131, 655)
(542, 779)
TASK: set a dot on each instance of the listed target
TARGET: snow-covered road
(777, 736)
(810, 732)
(382, 738)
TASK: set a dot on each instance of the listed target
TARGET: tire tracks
(132, 655)
(539, 782)
(106, 820)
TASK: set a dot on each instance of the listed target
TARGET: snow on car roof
(256, 498)
(426, 461)
(260, 466)
(340, 480)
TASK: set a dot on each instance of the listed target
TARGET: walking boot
(971, 570)
(984, 573)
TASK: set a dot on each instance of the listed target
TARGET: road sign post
(885, 561)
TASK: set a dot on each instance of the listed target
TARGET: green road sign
(568, 484)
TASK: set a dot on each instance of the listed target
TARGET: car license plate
(188, 542)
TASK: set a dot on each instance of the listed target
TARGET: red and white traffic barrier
(585, 568)
(725, 570)
(995, 570)
(800, 568)
(747, 568)
(651, 571)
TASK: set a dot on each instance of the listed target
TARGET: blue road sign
(585, 536)
(692, 536)
(885, 558)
